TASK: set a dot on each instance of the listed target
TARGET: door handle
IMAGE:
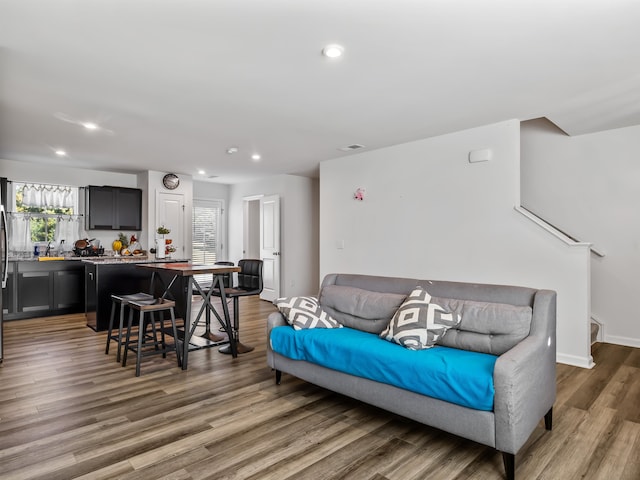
(5, 248)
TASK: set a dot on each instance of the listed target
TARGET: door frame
(249, 230)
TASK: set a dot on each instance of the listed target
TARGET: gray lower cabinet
(37, 289)
(68, 289)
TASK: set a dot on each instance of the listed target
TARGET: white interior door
(270, 246)
(170, 213)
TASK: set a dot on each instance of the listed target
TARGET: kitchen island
(105, 276)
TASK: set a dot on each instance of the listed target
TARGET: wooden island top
(187, 269)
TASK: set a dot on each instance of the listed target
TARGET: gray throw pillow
(419, 322)
(305, 312)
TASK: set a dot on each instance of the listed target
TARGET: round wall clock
(171, 181)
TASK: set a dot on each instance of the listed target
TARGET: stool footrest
(196, 342)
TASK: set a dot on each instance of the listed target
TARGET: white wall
(298, 228)
(589, 186)
(57, 175)
(429, 213)
(211, 191)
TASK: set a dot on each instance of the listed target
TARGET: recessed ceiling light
(90, 125)
(255, 157)
(61, 153)
(232, 150)
(201, 172)
(333, 51)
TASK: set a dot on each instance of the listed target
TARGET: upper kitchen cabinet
(113, 208)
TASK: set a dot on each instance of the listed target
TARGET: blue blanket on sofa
(457, 376)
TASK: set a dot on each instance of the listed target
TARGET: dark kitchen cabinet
(35, 292)
(36, 289)
(68, 289)
(113, 208)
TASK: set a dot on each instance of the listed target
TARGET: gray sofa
(524, 375)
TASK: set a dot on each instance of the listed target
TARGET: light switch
(340, 244)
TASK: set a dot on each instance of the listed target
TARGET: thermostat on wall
(480, 155)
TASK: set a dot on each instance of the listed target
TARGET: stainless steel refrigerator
(4, 267)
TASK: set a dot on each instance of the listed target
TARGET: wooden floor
(67, 410)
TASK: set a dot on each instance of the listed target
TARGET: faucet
(47, 252)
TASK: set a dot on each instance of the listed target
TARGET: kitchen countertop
(99, 260)
(31, 258)
(132, 259)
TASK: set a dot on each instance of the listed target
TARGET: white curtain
(67, 229)
(20, 232)
(47, 196)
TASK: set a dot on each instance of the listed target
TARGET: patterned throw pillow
(305, 312)
(418, 323)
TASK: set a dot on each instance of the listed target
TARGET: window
(44, 214)
(207, 215)
(207, 234)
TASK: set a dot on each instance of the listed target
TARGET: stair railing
(555, 231)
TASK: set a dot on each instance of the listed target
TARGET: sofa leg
(548, 419)
(278, 377)
(509, 460)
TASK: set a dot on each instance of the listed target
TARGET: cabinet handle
(90, 275)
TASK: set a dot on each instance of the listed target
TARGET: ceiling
(174, 83)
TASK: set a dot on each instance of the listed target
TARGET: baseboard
(626, 341)
(574, 360)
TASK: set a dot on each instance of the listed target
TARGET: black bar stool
(250, 282)
(122, 302)
(141, 347)
(206, 285)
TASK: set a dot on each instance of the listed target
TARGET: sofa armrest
(525, 378)
(275, 319)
